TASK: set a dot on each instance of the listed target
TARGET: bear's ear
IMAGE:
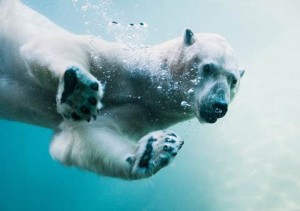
(188, 37)
(242, 72)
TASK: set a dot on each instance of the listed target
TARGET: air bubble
(191, 91)
(185, 104)
(194, 81)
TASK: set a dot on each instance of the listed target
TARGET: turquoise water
(247, 161)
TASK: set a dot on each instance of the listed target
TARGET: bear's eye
(207, 69)
(233, 81)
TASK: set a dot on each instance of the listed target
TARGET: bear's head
(208, 74)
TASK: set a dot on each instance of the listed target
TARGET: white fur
(143, 91)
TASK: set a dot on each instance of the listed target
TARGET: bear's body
(104, 100)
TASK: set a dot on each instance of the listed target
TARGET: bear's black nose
(220, 108)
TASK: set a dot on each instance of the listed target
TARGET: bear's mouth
(208, 119)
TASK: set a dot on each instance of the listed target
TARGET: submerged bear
(109, 104)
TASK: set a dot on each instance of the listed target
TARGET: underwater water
(249, 160)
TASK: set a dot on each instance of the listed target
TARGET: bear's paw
(155, 151)
(79, 96)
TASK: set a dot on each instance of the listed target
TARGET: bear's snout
(220, 108)
(211, 111)
(214, 105)
(220, 104)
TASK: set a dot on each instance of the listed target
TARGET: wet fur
(140, 91)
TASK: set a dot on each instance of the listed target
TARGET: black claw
(94, 86)
(130, 160)
(170, 140)
(84, 110)
(172, 134)
(92, 101)
(181, 144)
(151, 139)
(75, 116)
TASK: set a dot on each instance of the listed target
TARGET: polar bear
(108, 104)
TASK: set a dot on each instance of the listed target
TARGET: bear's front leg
(103, 150)
(154, 151)
(63, 60)
(79, 95)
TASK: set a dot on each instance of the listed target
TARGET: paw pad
(168, 148)
(79, 95)
(156, 150)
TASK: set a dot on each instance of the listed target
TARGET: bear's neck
(150, 70)
(152, 60)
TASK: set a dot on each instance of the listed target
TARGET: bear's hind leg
(79, 95)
